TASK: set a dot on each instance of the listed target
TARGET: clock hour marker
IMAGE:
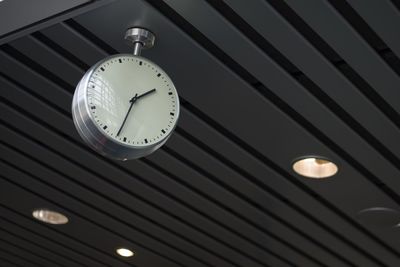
(120, 61)
(124, 139)
(140, 63)
(172, 114)
(93, 107)
(102, 69)
(105, 127)
(145, 140)
(158, 75)
(170, 93)
(162, 131)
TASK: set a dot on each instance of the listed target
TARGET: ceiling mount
(140, 39)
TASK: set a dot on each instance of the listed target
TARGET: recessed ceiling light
(124, 252)
(379, 217)
(314, 167)
(49, 216)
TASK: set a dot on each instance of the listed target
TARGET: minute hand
(132, 101)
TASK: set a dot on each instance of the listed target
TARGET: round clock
(125, 107)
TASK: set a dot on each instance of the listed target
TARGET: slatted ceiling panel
(266, 230)
(93, 233)
(258, 20)
(244, 49)
(42, 86)
(197, 9)
(181, 170)
(99, 217)
(20, 260)
(359, 55)
(385, 26)
(386, 133)
(85, 254)
(30, 257)
(12, 229)
(259, 199)
(221, 192)
(331, 81)
(77, 43)
(286, 189)
(51, 60)
(9, 263)
(127, 219)
(36, 249)
(328, 123)
(17, 261)
(9, 258)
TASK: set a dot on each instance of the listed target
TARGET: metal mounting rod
(137, 48)
(140, 39)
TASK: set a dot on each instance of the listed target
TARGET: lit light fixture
(314, 167)
(49, 216)
(124, 252)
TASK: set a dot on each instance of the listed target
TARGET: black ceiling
(261, 84)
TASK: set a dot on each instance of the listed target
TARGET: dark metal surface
(261, 84)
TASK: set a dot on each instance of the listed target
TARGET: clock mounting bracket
(139, 39)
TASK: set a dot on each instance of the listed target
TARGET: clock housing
(103, 97)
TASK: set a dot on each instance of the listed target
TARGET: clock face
(132, 101)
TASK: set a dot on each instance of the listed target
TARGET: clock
(125, 106)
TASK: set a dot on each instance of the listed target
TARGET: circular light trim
(314, 167)
(124, 252)
(49, 216)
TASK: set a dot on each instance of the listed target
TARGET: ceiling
(261, 84)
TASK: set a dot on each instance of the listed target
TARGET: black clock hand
(133, 100)
(148, 92)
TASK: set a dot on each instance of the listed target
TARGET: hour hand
(148, 92)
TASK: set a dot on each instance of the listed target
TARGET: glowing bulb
(315, 167)
(124, 252)
(49, 216)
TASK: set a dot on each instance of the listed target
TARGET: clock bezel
(92, 133)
